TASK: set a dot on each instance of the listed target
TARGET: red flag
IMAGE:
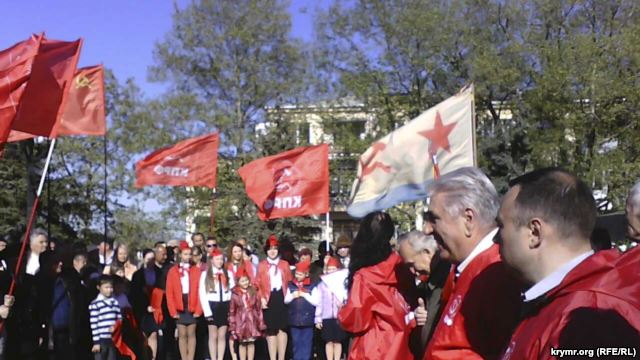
(191, 162)
(44, 97)
(84, 112)
(293, 183)
(15, 69)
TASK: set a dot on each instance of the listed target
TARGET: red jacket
(245, 315)
(481, 312)
(174, 291)
(263, 281)
(376, 311)
(596, 305)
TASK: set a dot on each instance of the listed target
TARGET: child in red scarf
(302, 297)
(246, 323)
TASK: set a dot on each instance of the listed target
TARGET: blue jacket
(301, 312)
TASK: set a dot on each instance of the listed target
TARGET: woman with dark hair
(378, 308)
(273, 276)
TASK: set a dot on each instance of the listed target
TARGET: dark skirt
(331, 331)
(185, 317)
(220, 311)
(276, 316)
(148, 324)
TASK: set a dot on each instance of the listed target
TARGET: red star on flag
(438, 135)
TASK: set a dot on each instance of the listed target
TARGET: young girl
(237, 260)
(182, 300)
(272, 280)
(302, 297)
(245, 315)
(327, 313)
(215, 293)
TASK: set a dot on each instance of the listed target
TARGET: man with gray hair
(28, 326)
(632, 211)
(420, 252)
(481, 297)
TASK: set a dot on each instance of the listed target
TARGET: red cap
(334, 262)
(303, 267)
(215, 252)
(241, 272)
(272, 241)
(184, 245)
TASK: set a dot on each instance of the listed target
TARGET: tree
(225, 63)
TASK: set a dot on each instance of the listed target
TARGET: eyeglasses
(212, 245)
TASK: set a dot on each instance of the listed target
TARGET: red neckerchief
(301, 285)
(273, 265)
(184, 269)
(222, 278)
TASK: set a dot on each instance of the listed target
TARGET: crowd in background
(520, 277)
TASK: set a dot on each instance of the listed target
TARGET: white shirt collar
(483, 245)
(274, 261)
(555, 278)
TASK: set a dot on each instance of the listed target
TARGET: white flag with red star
(399, 167)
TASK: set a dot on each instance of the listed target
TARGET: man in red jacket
(580, 303)
(483, 302)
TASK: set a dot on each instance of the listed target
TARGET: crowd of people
(486, 278)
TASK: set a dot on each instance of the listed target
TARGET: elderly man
(632, 210)
(577, 300)
(28, 327)
(420, 252)
(484, 302)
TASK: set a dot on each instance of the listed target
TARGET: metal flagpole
(32, 216)
(212, 212)
(106, 206)
(326, 230)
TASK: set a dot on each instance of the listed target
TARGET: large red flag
(42, 102)
(15, 69)
(293, 183)
(84, 112)
(191, 162)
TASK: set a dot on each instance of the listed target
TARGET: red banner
(293, 183)
(84, 112)
(44, 96)
(15, 69)
(192, 162)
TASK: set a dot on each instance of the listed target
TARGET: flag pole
(436, 167)
(212, 211)
(326, 231)
(32, 217)
(105, 199)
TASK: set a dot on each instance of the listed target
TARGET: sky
(120, 34)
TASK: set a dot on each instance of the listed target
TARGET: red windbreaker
(481, 313)
(377, 311)
(174, 291)
(596, 305)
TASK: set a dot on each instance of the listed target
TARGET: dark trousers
(107, 352)
(62, 346)
(302, 338)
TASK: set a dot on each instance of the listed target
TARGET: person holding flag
(273, 277)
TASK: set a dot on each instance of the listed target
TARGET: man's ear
(469, 221)
(535, 233)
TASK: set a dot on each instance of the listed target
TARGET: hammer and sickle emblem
(83, 81)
